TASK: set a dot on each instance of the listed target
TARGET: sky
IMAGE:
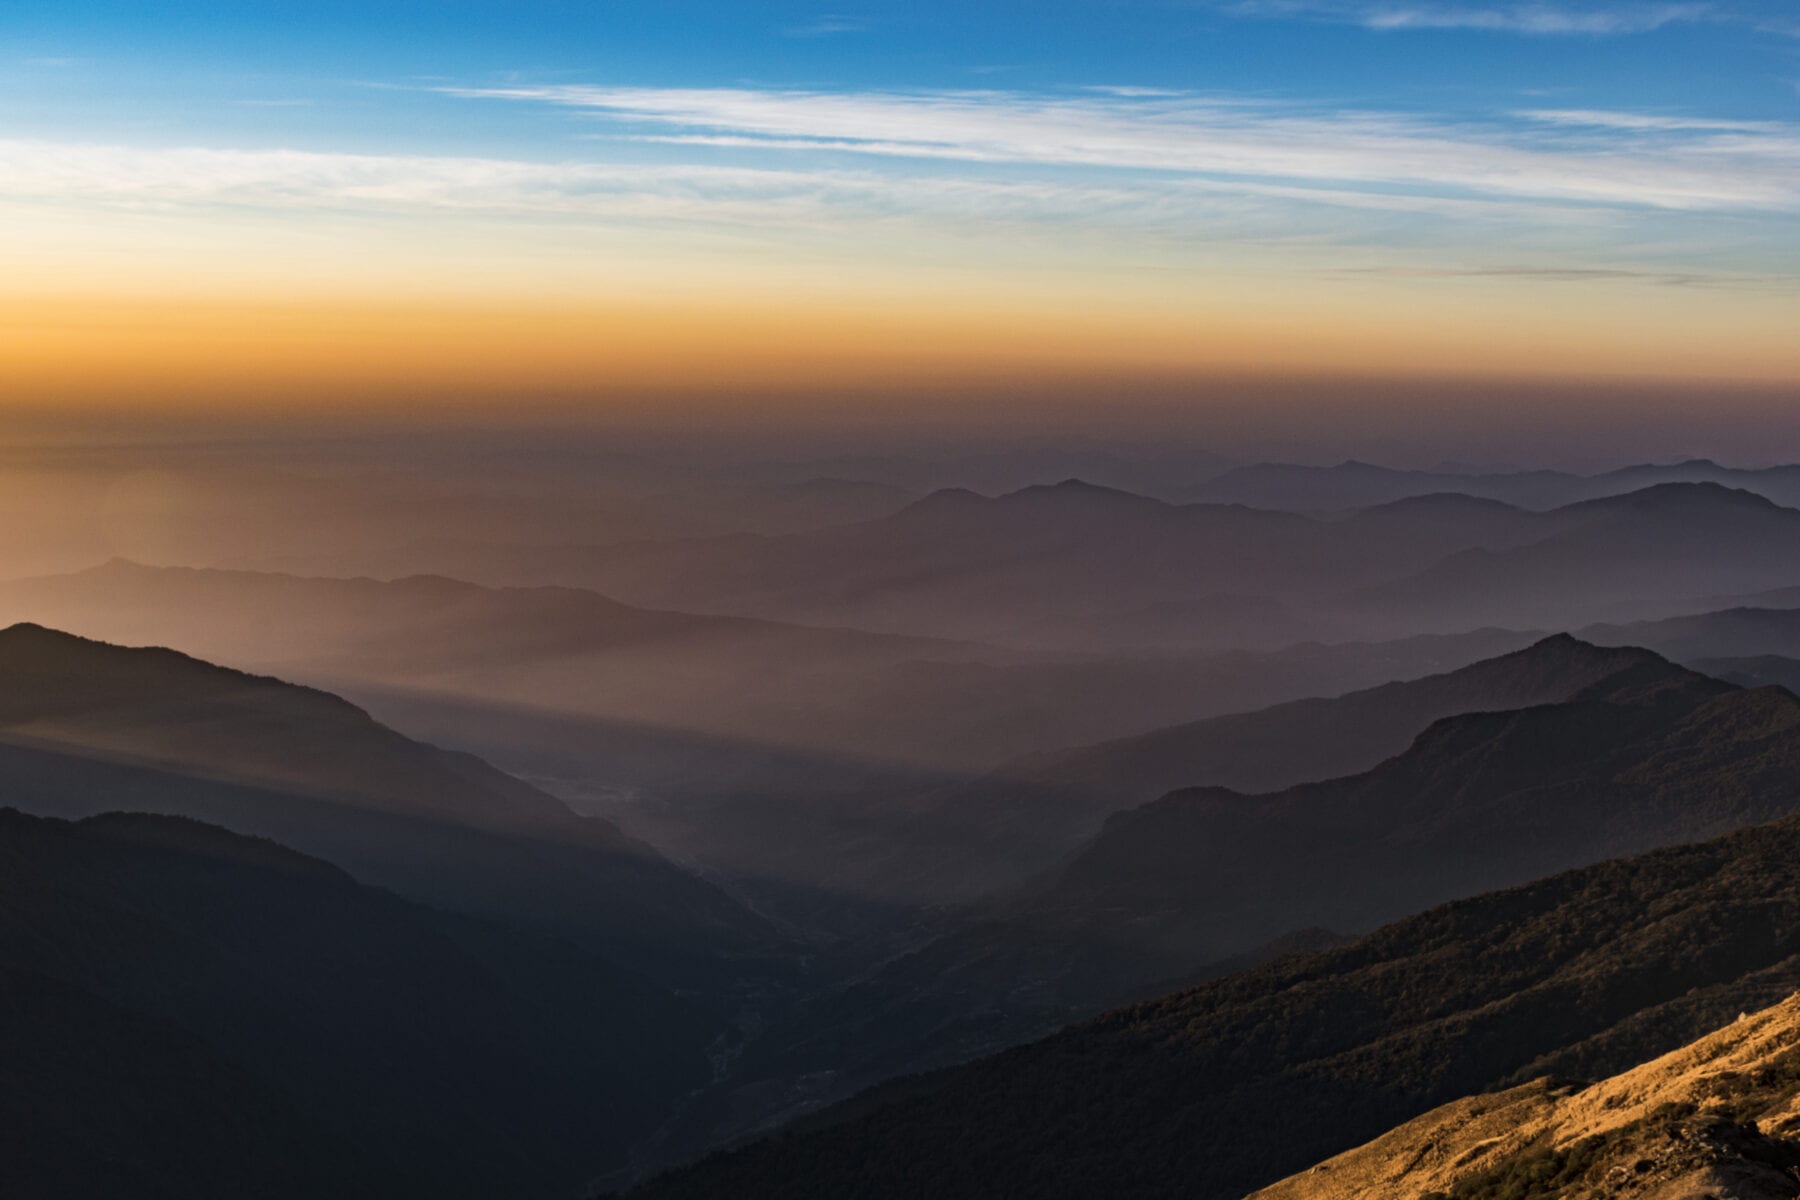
(876, 211)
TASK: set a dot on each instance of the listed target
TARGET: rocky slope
(1719, 1117)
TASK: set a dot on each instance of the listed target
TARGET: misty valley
(1066, 840)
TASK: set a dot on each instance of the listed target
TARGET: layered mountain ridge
(1209, 1093)
(87, 727)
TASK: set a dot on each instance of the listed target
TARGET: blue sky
(184, 69)
(1630, 171)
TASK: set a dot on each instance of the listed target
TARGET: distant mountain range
(1069, 565)
(1075, 567)
(1729, 633)
(1209, 1093)
(1354, 484)
(1714, 1118)
(187, 1012)
(1644, 554)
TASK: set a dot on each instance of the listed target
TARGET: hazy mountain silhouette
(1354, 484)
(1211, 1092)
(1068, 565)
(1714, 1118)
(1022, 818)
(1731, 633)
(778, 506)
(86, 727)
(1075, 567)
(190, 1013)
(825, 835)
(781, 756)
(887, 699)
(1639, 554)
(1764, 670)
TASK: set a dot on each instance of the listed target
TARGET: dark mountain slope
(1023, 818)
(190, 1013)
(1214, 1091)
(86, 727)
(1651, 755)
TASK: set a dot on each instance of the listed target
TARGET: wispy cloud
(1648, 122)
(1152, 179)
(1615, 159)
(1555, 274)
(757, 206)
(828, 25)
(1538, 19)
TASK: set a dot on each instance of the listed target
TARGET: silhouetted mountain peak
(1684, 496)
(441, 587)
(946, 500)
(1564, 654)
(30, 633)
(42, 667)
(1445, 502)
(1079, 491)
(126, 569)
(199, 839)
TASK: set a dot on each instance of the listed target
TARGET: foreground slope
(185, 1012)
(1214, 1091)
(1719, 1117)
(86, 727)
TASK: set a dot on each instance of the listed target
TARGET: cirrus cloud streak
(1657, 162)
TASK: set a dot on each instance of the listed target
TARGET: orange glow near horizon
(199, 352)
